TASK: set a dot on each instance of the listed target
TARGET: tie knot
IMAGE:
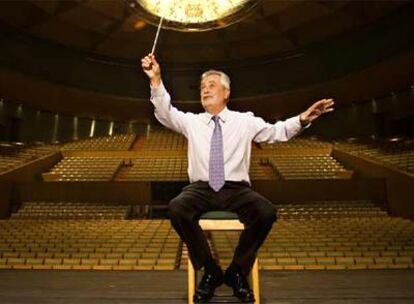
(215, 119)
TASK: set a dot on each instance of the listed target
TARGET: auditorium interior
(87, 172)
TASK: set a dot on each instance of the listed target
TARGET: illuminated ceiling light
(193, 15)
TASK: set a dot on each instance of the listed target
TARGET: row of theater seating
(330, 235)
(298, 143)
(167, 167)
(399, 155)
(86, 210)
(12, 156)
(327, 209)
(107, 143)
(155, 168)
(84, 169)
(318, 235)
(88, 244)
(164, 140)
(308, 167)
(260, 169)
(174, 168)
(71, 210)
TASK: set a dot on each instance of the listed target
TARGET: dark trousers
(256, 213)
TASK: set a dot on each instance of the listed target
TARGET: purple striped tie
(216, 169)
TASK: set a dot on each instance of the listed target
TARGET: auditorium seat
(162, 139)
(308, 167)
(88, 244)
(299, 158)
(84, 169)
(120, 142)
(70, 210)
(312, 236)
(261, 169)
(161, 168)
(298, 143)
(13, 155)
(396, 154)
(328, 236)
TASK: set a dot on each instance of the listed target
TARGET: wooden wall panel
(399, 185)
(110, 192)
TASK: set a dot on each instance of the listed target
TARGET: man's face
(213, 93)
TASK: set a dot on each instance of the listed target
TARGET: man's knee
(176, 208)
(267, 213)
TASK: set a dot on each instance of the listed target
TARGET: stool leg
(255, 281)
(191, 281)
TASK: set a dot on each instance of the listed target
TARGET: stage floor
(357, 286)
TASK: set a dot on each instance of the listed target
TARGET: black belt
(240, 183)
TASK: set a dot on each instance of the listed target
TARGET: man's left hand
(317, 109)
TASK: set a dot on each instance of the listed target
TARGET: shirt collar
(223, 115)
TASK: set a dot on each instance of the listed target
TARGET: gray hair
(224, 79)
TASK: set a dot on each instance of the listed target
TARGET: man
(219, 147)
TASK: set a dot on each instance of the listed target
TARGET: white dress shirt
(239, 129)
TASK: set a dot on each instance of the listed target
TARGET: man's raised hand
(317, 109)
(151, 67)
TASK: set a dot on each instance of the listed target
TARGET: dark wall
(109, 192)
(300, 191)
(386, 116)
(5, 197)
(22, 123)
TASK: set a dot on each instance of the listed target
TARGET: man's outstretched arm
(285, 130)
(165, 113)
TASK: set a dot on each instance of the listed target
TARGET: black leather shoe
(208, 284)
(241, 288)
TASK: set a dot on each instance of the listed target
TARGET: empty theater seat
(329, 235)
(71, 210)
(298, 144)
(398, 154)
(88, 245)
(161, 168)
(163, 140)
(312, 236)
(84, 169)
(107, 143)
(308, 167)
(12, 155)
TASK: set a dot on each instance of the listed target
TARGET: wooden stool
(221, 220)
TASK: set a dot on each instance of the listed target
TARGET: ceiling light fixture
(193, 15)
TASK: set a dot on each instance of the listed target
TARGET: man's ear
(227, 95)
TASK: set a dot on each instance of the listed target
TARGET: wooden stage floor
(153, 287)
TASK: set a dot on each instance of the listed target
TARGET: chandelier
(193, 15)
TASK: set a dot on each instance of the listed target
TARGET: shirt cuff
(157, 91)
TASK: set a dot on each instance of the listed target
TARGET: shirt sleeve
(264, 132)
(166, 113)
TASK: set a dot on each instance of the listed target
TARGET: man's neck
(216, 111)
